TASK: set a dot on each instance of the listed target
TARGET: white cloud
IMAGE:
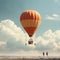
(12, 38)
(50, 18)
(8, 28)
(53, 17)
(49, 41)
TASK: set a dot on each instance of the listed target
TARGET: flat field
(28, 58)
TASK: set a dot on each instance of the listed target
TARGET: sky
(12, 34)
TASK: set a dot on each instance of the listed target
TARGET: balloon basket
(30, 42)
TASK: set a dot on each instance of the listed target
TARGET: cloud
(13, 39)
(53, 17)
(49, 41)
(8, 28)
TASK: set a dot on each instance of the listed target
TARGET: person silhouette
(47, 53)
(43, 53)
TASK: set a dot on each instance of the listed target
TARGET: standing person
(47, 53)
(43, 54)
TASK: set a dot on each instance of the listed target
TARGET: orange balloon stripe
(30, 14)
(30, 23)
(30, 30)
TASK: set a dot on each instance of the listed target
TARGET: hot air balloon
(30, 20)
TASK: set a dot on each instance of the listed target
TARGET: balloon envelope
(30, 20)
